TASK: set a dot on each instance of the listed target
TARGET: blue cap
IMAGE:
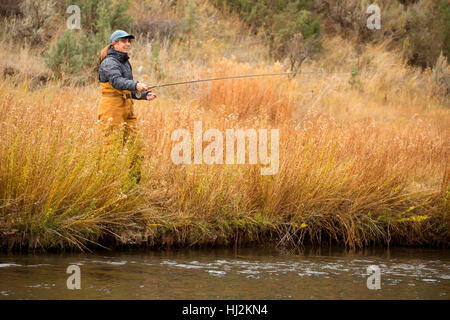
(120, 34)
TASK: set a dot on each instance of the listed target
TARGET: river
(242, 273)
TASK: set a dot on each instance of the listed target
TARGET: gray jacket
(116, 69)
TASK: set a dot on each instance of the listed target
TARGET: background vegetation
(363, 154)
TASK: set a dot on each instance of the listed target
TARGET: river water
(243, 273)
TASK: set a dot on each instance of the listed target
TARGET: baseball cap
(120, 34)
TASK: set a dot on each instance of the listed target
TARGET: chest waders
(115, 112)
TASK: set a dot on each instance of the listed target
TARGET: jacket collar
(122, 57)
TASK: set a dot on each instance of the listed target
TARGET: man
(118, 88)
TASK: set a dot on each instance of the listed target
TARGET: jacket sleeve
(111, 70)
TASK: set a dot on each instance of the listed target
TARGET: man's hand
(151, 96)
(141, 86)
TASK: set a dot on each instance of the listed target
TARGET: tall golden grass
(363, 159)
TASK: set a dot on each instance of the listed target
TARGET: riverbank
(355, 177)
(245, 233)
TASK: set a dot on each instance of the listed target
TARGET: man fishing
(115, 109)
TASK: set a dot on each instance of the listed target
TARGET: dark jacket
(116, 69)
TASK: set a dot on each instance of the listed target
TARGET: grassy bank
(363, 158)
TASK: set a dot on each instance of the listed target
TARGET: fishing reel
(138, 94)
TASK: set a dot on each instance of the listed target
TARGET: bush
(349, 18)
(283, 23)
(36, 21)
(157, 28)
(428, 32)
(65, 57)
(95, 14)
(78, 50)
(422, 27)
(151, 19)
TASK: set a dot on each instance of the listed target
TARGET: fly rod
(238, 77)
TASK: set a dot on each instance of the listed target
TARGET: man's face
(122, 45)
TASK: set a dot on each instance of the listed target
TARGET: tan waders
(115, 111)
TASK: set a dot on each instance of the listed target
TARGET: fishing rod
(239, 77)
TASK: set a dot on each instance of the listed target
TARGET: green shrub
(64, 57)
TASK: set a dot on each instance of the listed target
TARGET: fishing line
(239, 77)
